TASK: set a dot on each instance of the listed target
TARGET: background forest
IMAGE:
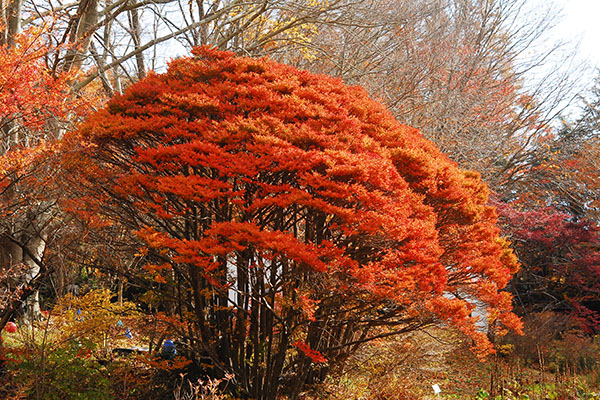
(306, 198)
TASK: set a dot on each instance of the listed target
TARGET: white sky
(581, 22)
(578, 25)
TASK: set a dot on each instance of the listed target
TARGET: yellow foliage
(93, 317)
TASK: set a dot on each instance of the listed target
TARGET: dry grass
(406, 369)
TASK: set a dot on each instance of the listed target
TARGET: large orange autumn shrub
(291, 216)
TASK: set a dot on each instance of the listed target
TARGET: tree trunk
(81, 34)
(12, 20)
(136, 34)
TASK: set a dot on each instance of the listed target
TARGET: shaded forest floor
(407, 370)
(401, 369)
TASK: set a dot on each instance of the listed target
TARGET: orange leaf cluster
(293, 203)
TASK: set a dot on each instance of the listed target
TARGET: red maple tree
(36, 106)
(560, 259)
(290, 215)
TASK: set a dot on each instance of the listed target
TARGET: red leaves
(31, 95)
(314, 355)
(561, 263)
(271, 182)
(11, 327)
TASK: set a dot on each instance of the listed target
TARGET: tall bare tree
(476, 76)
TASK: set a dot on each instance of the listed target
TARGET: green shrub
(65, 372)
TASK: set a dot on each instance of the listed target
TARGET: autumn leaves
(284, 207)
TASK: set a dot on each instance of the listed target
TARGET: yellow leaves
(280, 28)
(317, 3)
(505, 349)
(301, 36)
(93, 316)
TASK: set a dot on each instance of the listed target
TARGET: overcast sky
(582, 22)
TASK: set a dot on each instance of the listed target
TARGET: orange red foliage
(296, 210)
(36, 105)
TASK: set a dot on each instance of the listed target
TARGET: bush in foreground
(287, 217)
